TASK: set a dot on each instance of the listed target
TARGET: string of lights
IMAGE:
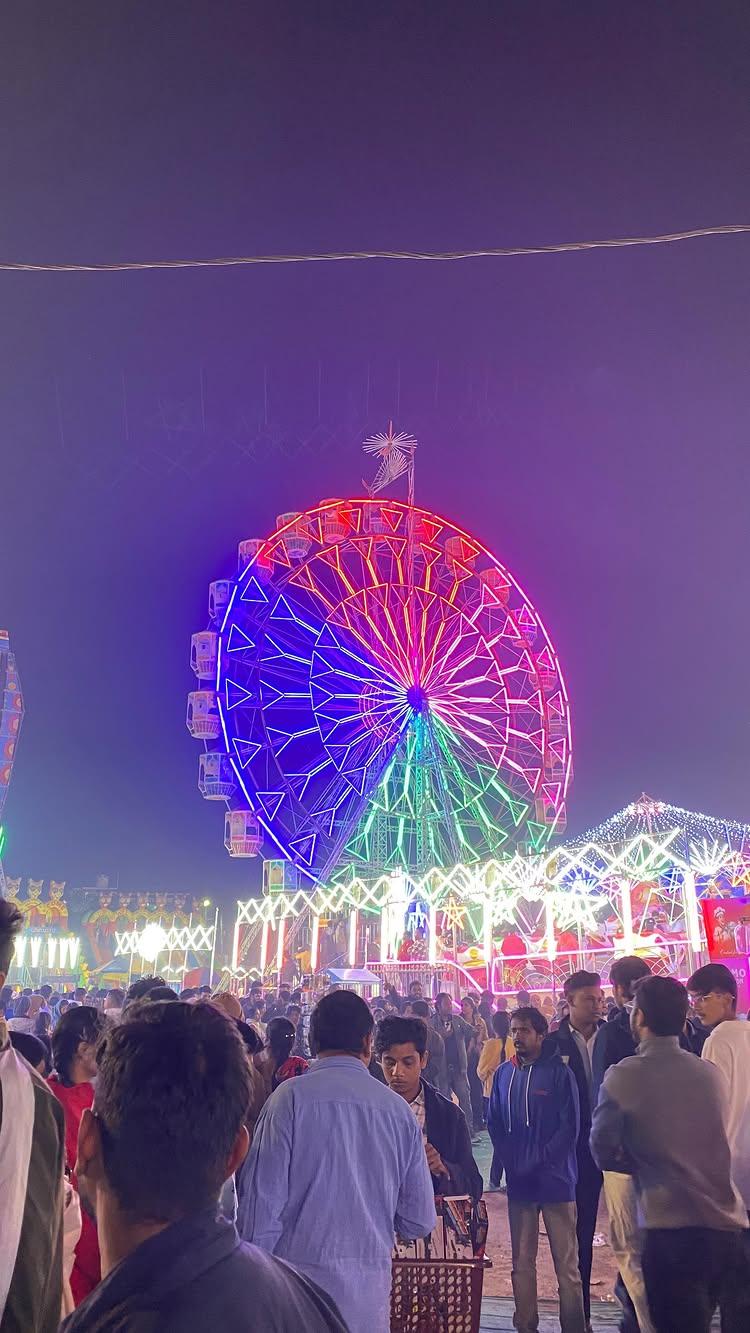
(331, 257)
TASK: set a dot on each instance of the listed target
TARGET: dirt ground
(497, 1278)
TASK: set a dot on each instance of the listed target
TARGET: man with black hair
(578, 1041)
(533, 1122)
(713, 991)
(401, 1047)
(337, 1166)
(625, 1232)
(660, 1116)
(141, 988)
(32, 1159)
(167, 1129)
(456, 1035)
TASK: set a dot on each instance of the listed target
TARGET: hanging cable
(332, 257)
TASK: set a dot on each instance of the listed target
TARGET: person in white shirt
(713, 991)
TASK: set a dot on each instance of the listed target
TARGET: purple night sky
(586, 415)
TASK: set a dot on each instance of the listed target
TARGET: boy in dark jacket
(401, 1045)
(580, 1041)
(533, 1122)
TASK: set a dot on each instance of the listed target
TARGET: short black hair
(142, 987)
(340, 1021)
(84, 1023)
(412, 984)
(578, 980)
(420, 1008)
(500, 1024)
(525, 996)
(526, 1013)
(663, 1001)
(31, 1048)
(443, 995)
(626, 971)
(46, 989)
(158, 993)
(117, 995)
(11, 921)
(716, 977)
(294, 1009)
(250, 1037)
(280, 1036)
(173, 1090)
(395, 1031)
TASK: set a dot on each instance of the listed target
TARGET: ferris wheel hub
(417, 698)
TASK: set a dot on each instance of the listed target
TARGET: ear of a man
(89, 1151)
(239, 1151)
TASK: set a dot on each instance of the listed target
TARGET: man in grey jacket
(660, 1117)
(456, 1035)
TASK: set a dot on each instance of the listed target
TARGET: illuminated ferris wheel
(378, 693)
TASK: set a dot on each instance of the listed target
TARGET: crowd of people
(182, 1161)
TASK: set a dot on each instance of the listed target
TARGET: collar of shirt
(339, 1062)
(586, 1047)
(417, 1107)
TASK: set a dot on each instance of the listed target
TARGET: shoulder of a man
(725, 1037)
(282, 1297)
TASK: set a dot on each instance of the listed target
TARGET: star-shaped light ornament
(396, 453)
(454, 915)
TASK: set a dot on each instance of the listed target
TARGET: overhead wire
(420, 256)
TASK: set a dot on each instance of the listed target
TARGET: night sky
(586, 415)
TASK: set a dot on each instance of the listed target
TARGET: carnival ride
(382, 708)
(378, 694)
(11, 717)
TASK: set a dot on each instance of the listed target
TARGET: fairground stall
(383, 713)
(648, 882)
(101, 936)
(47, 947)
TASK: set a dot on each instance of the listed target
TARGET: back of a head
(82, 1023)
(580, 981)
(22, 1006)
(663, 1003)
(173, 1089)
(114, 999)
(625, 972)
(159, 993)
(250, 1037)
(713, 977)
(523, 998)
(228, 1002)
(142, 987)
(420, 1009)
(281, 1036)
(340, 1022)
(32, 1049)
(500, 1024)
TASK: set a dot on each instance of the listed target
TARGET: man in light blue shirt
(337, 1167)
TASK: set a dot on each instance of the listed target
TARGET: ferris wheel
(377, 692)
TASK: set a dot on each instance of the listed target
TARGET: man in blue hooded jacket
(533, 1121)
